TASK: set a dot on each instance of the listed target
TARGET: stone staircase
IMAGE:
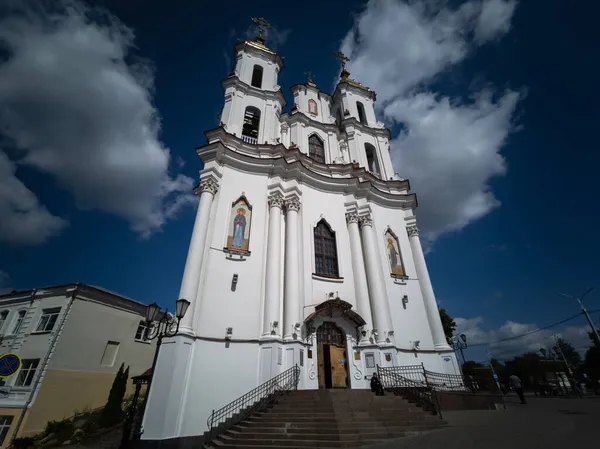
(328, 419)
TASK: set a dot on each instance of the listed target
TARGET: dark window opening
(372, 163)
(316, 149)
(326, 262)
(257, 74)
(361, 113)
(251, 122)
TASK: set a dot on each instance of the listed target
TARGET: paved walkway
(548, 423)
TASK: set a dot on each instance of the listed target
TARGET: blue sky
(492, 103)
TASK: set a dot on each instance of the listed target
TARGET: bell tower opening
(251, 124)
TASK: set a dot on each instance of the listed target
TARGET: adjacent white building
(305, 250)
(72, 339)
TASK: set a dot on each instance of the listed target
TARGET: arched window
(3, 316)
(372, 163)
(361, 113)
(257, 73)
(250, 127)
(315, 149)
(312, 107)
(19, 322)
(326, 262)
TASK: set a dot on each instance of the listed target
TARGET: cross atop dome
(343, 60)
(261, 23)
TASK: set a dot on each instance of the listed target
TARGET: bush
(23, 443)
(89, 427)
(64, 426)
(112, 412)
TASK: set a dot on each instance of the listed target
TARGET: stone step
(374, 435)
(269, 442)
(342, 423)
(290, 413)
(333, 432)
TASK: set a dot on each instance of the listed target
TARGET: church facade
(305, 251)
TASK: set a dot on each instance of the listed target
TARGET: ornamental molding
(351, 217)
(209, 185)
(412, 230)
(366, 220)
(292, 204)
(275, 200)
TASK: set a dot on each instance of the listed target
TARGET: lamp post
(166, 326)
(579, 300)
(460, 343)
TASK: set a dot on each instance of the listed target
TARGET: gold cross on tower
(309, 75)
(343, 59)
(261, 23)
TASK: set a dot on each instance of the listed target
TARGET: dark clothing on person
(376, 386)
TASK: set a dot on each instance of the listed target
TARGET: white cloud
(23, 220)
(491, 339)
(77, 105)
(448, 147)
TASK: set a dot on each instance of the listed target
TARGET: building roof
(93, 292)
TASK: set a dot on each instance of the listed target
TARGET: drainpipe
(45, 362)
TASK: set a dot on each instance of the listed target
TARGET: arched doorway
(332, 356)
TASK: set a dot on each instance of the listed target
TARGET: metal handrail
(253, 401)
(418, 391)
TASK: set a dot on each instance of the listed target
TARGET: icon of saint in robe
(239, 226)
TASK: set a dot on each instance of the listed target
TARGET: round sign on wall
(9, 364)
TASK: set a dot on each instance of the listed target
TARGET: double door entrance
(332, 357)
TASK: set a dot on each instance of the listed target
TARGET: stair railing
(255, 400)
(418, 391)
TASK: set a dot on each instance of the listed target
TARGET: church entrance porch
(332, 357)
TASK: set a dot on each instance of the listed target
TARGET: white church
(305, 251)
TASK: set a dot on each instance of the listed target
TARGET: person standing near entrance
(516, 383)
(376, 386)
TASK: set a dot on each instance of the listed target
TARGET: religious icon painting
(394, 256)
(238, 236)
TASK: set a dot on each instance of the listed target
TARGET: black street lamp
(460, 343)
(161, 327)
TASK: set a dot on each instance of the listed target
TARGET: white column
(193, 264)
(291, 296)
(431, 308)
(379, 301)
(360, 277)
(273, 274)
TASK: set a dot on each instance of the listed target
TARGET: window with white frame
(27, 372)
(5, 423)
(48, 319)
(3, 316)
(142, 331)
(110, 353)
(19, 322)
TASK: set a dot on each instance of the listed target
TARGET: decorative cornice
(412, 230)
(292, 204)
(275, 200)
(208, 185)
(365, 220)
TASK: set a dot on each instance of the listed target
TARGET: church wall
(352, 98)
(303, 94)
(410, 324)
(219, 375)
(244, 305)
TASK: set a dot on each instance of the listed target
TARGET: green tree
(112, 413)
(448, 324)
(572, 357)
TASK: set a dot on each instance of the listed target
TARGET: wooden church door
(332, 357)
